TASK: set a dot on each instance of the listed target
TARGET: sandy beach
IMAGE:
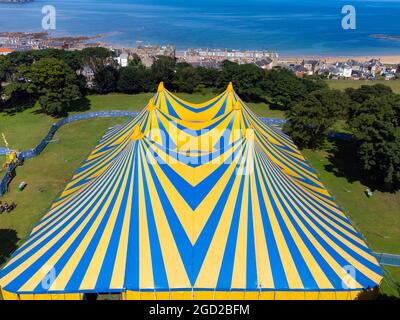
(386, 59)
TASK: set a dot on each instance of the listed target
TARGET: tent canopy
(193, 198)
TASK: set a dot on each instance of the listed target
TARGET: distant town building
(263, 59)
(89, 75)
(311, 66)
(148, 53)
(300, 71)
(266, 64)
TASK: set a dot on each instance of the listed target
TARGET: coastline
(292, 57)
(385, 59)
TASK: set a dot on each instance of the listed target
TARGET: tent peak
(161, 87)
(137, 133)
(151, 106)
(230, 87)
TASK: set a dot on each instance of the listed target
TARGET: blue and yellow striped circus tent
(194, 201)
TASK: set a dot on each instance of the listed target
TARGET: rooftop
(6, 50)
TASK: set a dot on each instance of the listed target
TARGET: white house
(347, 71)
(123, 60)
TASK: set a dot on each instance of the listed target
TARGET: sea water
(286, 26)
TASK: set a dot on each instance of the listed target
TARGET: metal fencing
(388, 259)
(4, 151)
(85, 116)
(7, 179)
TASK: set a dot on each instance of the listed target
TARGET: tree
(134, 79)
(208, 76)
(248, 80)
(135, 61)
(313, 84)
(1, 95)
(16, 59)
(106, 79)
(97, 58)
(366, 92)
(309, 121)
(163, 70)
(52, 82)
(186, 78)
(376, 128)
(284, 88)
(5, 66)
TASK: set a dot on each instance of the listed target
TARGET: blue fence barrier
(387, 259)
(7, 179)
(4, 151)
(274, 121)
(85, 116)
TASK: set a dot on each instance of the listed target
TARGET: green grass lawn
(343, 84)
(378, 218)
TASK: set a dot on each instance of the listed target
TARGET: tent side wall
(263, 295)
(41, 297)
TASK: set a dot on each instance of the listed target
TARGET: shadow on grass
(344, 164)
(274, 106)
(83, 104)
(12, 108)
(387, 297)
(8, 243)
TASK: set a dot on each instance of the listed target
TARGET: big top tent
(194, 201)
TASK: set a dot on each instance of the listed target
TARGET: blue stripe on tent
(311, 200)
(333, 277)
(284, 157)
(312, 207)
(182, 241)
(222, 110)
(199, 191)
(132, 254)
(301, 266)
(171, 110)
(192, 161)
(251, 264)
(79, 199)
(103, 165)
(333, 252)
(38, 264)
(107, 269)
(159, 272)
(80, 271)
(228, 262)
(278, 273)
(168, 143)
(196, 110)
(37, 247)
(206, 235)
(194, 133)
